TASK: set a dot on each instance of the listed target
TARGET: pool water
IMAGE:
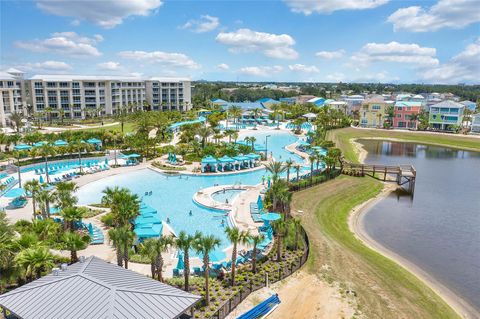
(172, 195)
(228, 194)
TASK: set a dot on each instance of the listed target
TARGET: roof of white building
(13, 70)
(6, 76)
(73, 77)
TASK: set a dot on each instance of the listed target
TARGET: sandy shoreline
(356, 225)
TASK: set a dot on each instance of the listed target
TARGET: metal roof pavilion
(95, 288)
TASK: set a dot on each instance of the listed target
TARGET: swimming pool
(226, 195)
(172, 195)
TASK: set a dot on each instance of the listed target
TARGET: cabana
(242, 161)
(60, 143)
(145, 231)
(310, 116)
(22, 147)
(209, 164)
(226, 163)
(255, 158)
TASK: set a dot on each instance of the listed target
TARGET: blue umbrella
(106, 161)
(134, 155)
(270, 217)
(39, 144)
(41, 179)
(60, 143)
(15, 192)
(180, 264)
(90, 229)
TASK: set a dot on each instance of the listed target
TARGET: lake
(439, 229)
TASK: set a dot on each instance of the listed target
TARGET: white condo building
(11, 95)
(81, 96)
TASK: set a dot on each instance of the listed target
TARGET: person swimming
(223, 222)
(168, 220)
(226, 200)
(190, 213)
(150, 193)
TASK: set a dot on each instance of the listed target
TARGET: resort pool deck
(172, 195)
(227, 195)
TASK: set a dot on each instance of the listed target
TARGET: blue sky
(293, 40)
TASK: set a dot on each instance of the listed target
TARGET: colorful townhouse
(373, 112)
(446, 115)
(405, 114)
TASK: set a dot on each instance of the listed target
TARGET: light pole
(266, 147)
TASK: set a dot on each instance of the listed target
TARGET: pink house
(405, 113)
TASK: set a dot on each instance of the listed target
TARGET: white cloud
(66, 43)
(109, 66)
(105, 13)
(45, 67)
(204, 24)
(454, 14)
(278, 46)
(330, 54)
(159, 57)
(302, 68)
(262, 71)
(308, 7)
(396, 52)
(223, 66)
(464, 67)
(336, 77)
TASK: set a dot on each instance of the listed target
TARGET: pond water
(439, 229)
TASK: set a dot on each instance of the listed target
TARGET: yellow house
(373, 112)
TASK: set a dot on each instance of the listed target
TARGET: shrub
(107, 219)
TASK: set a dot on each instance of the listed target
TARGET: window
(399, 108)
(38, 85)
(39, 92)
(51, 84)
(76, 85)
(64, 84)
(401, 124)
(376, 107)
(399, 116)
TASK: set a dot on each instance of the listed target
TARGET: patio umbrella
(106, 161)
(134, 155)
(180, 264)
(39, 144)
(270, 217)
(60, 143)
(15, 192)
(41, 179)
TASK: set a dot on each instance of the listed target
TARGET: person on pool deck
(226, 200)
(168, 220)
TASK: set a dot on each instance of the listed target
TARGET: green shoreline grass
(343, 137)
(384, 288)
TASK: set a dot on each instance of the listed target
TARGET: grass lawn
(383, 288)
(127, 128)
(343, 136)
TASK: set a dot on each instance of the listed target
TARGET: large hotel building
(80, 96)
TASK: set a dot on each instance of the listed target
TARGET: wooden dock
(403, 174)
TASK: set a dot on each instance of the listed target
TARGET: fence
(273, 276)
(315, 180)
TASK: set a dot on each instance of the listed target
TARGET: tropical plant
(280, 230)
(71, 215)
(74, 241)
(204, 245)
(297, 169)
(33, 186)
(35, 261)
(153, 249)
(64, 194)
(236, 236)
(185, 242)
(288, 166)
(123, 205)
(16, 118)
(46, 151)
(204, 132)
(45, 198)
(122, 238)
(275, 168)
(255, 240)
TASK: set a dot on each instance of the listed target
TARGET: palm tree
(63, 194)
(18, 155)
(236, 112)
(297, 226)
(297, 169)
(280, 229)
(255, 240)
(236, 236)
(45, 197)
(71, 215)
(204, 133)
(154, 248)
(16, 118)
(124, 205)
(204, 245)
(74, 242)
(33, 187)
(275, 168)
(312, 159)
(34, 261)
(48, 110)
(185, 242)
(288, 165)
(47, 150)
(122, 238)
